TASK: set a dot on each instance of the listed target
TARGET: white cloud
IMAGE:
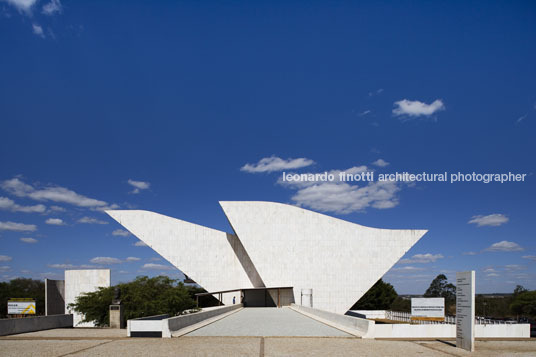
(54, 6)
(469, 253)
(5, 258)
(492, 220)
(61, 266)
(90, 220)
(376, 92)
(57, 209)
(10, 205)
(38, 30)
(121, 232)
(341, 197)
(22, 5)
(492, 275)
(363, 113)
(422, 258)
(521, 118)
(415, 108)
(55, 221)
(490, 270)
(5, 268)
(140, 244)
(156, 266)
(531, 257)
(274, 163)
(52, 193)
(18, 227)
(29, 240)
(408, 268)
(132, 259)
(105, 260)
(514, 267)
(380, 163)
(138, 185)
(504, 246)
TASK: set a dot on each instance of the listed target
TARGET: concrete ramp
(268, 322)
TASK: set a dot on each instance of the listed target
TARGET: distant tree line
(22, 288)
(520, 304)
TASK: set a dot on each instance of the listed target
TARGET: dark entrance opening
(257, 298)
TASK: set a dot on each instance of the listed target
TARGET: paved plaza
(248, 332)
(106, 342)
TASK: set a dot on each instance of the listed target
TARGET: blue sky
(160, 105)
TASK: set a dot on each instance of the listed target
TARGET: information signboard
(21, 307)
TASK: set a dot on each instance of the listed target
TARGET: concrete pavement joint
(85, 349)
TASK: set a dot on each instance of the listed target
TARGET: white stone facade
(78, 282)
(276, 245)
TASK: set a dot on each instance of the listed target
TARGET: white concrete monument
(276, 245)
(465, 310)
(78, 282)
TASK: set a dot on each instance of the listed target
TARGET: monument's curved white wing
(339, 260)
(213, 259)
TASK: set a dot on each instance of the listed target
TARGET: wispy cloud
(10, 205)
(504, 246)
(156, 266)
(521, 118)
(408, 268)
(5, 258)
(376, 92)
(38, 30)
(138, 185)
(422, 258)
(22, 5)
(53, 7)
(105, 260)
(530, 257)
(415, 108)
(55, 221)
(469, 253)
(380, 163)
(140, 244)
(274, 163)
(121, 233)
(90, 220)
(492, 220)
(59, 194)
(17, 227)
(132, 259)
(71, 266)
(29, 240)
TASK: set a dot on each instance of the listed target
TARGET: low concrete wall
(54, 297)
(179, 322)
(38, 323)
(354, 325)
(449, 331)
(368, 314)
(150, 326)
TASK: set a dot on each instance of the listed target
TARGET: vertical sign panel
(465, 310)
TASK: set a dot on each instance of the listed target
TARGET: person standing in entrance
(234, 300)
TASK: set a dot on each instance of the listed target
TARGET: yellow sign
(21, 307)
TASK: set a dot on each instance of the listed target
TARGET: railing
(406, 317)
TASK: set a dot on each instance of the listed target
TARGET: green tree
(142, 297)
(440, 287)
(524, 303)
(379, 297)
(401, 304)
(22, 288)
